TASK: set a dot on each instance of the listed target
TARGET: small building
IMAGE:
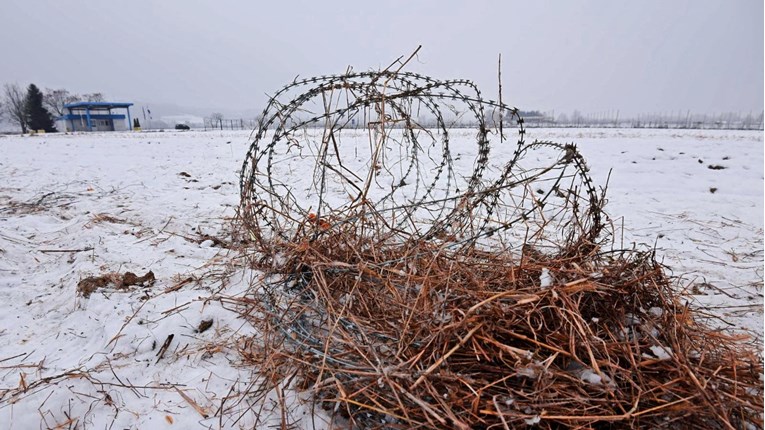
(95, 116)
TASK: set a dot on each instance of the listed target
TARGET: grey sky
(638, 57)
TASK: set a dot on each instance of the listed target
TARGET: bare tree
(93, 97)
(216, 118)
(15, 105)
(55, 100)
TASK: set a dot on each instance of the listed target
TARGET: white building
(95, 116)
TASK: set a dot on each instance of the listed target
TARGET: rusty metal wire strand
(409, 286)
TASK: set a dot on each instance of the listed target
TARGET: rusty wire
(410, 287)
(401, 179)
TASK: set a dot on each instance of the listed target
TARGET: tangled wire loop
(415, 281)
(370, 154)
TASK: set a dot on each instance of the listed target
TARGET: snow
(661, 352)
(545, 279)
(533, 420)
(73, 206)
(206, 243)
(591, 377)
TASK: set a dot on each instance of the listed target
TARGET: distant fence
(229, 124)
(679, 120)
(536, 119)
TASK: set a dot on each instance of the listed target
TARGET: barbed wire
(402, 177)
(403, 278)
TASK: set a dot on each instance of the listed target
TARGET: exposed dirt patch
(204, 325)
(90, 284)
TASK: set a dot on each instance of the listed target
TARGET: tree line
(36, 110)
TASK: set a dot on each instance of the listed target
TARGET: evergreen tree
(37, 117)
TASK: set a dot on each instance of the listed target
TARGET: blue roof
(96, 105)
(81, 116)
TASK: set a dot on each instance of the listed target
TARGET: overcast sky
(637, 57)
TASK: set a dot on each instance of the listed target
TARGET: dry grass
(474, 340)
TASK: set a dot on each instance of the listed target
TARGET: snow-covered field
(74, 206)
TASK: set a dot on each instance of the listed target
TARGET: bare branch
(15, 103)
(54, 100)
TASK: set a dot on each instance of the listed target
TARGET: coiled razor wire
(371, 152)
(385, 251)
(366, 157)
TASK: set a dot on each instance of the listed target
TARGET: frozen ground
(73, 206)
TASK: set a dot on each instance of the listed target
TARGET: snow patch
(545, 279)
(661, 352)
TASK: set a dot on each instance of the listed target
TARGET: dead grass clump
(477, 340)
(103, 217)
(89, 285)
(43, 203)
